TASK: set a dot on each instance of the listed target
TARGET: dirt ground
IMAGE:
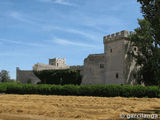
(41, 107)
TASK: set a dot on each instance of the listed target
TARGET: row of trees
(147, 40)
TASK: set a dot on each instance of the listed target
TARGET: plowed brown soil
(41, 107)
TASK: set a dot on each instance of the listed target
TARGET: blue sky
(33, 31)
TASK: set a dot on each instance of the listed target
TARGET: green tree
(4, 76)
(149, 72)
(151, 12)
(147, 40)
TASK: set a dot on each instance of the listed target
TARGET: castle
(110, 67)
(27, 76)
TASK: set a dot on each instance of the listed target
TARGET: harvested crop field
(41, 107)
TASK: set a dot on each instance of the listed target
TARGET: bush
(59, 77)
(3, 87)
(82, 90)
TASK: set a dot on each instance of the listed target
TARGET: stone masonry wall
(40, 66)
(119, 69)
(76, 67)
(114, 62)
(58, 62)
(26, 76)
(93, 70)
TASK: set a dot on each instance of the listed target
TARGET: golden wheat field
(41, 107)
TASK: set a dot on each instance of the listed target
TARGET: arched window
(117, 75)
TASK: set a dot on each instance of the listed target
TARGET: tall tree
(149, 71)
(4, 76)
(151, 12)
(147, 39)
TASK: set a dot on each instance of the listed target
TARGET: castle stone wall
(114, 57)
(40, 66)
(26, 76)
(58, 62)
(130, 65)
(76, 67)
(114, 62)
(93, 70)
(119, 68)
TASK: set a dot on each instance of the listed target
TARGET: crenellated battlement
(115, 36)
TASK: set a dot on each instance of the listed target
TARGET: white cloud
(61, 2)
(67, 42)
(70, 30)
(27, 19)
(20, 17)
(103, 20)
(22, 43)
(45, 0)
(122, 5)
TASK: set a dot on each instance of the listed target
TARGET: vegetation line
(82, 90)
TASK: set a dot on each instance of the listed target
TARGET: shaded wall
(93, 70)
(26, 76)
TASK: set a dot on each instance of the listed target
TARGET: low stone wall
(76, 67)
(41, 66)
(26, 76)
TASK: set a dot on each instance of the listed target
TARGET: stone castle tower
(111, 67)
(114, 51)
(59, 62)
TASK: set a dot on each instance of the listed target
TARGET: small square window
(111, 50)
(101, 65)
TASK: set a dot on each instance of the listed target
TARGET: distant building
(56, 63)
(27, 76)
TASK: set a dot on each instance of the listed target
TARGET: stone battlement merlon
(96, 55)
(115, 36)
